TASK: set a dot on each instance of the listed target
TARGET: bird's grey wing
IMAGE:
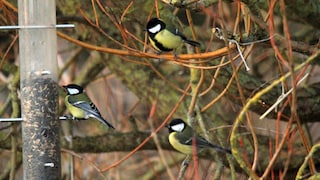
(179, 33)
(203, 143)
(200, 141)
(185, 141)
(91, 111)
(188, 142)
(191, 42)
(89, 108)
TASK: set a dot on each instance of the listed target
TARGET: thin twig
(152, 134)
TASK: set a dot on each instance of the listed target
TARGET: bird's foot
(185, 162)
(70, 117)
(175, 55)
(68, 138)
(78, 119)
(66, 117)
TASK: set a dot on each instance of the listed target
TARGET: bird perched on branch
(80, 105)
(164, 39)
(181, 136)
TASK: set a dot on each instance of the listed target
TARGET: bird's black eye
(169, 128)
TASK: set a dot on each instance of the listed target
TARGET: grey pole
(39, 89)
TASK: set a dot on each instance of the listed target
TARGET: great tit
(80, 105)
(163, 39)
(181, 135)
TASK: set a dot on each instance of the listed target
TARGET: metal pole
(39, 90)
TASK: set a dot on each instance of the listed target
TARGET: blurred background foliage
(136, 92)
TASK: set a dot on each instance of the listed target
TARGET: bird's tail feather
(221, 149)
(193, 43)
(103, 121)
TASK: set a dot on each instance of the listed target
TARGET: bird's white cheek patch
(73, 91)
(178, 127)
(155, 29)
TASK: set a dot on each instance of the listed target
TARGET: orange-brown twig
(151, 135)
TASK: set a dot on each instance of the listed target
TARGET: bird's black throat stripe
(160, 46)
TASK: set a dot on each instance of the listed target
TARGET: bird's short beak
(64, 88)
